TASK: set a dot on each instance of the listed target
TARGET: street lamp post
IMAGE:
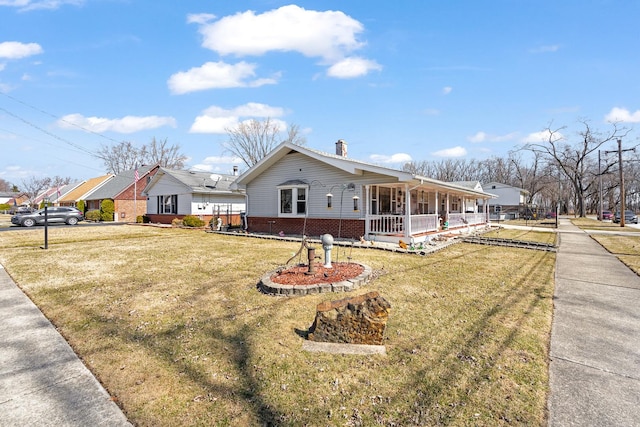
(46, 223)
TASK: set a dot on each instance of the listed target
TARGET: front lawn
(171, 323)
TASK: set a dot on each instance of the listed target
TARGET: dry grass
(626, 248)
(594, 224)
(172, 324)
(524, 235)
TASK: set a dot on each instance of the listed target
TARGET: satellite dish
(215, 177)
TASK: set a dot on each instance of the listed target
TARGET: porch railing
(386, 224)
(424, 223)
(395, 224)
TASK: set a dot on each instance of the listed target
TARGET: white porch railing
(424, 223)
(394, 225)
(456, 220)
(475, 218)
(386, 224)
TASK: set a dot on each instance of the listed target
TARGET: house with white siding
(510, 202)
(174, 194)
(298, 190)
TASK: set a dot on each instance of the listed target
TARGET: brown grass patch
(171, 322)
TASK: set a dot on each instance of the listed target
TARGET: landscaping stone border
(267, 286)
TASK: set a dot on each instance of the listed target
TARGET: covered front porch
(414, 214)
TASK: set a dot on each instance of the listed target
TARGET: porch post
(366, 202)
(407, 211)
(446, 207)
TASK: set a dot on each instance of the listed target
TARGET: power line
(33, 125)
(58, 118)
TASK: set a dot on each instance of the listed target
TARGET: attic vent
(493, 187)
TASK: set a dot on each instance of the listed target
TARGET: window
(292, 200)
(374, 200)
(302, 201)
(168, 204)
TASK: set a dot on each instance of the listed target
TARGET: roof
(81, 191)
(194, 181)
(500, 185)
(112, 188)
(352, 166)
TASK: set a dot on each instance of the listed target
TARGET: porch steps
(510, 243)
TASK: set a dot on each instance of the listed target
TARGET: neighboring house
(125, 192)
(177, 193)
(298, 190)
(80, 192)
(510, 203)
(14, 199)
(60, 192)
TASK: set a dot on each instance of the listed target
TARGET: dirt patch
(298, 275)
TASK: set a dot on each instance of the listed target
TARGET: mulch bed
(297, 275)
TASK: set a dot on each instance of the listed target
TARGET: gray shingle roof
(119, 183)
(202, 182)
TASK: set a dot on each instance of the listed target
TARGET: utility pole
(600, 187)
(623, 206)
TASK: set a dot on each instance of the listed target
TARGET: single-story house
(298, 190)
(125, 190)
(176, 193)
(80, 192)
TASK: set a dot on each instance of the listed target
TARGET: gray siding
(322, 178)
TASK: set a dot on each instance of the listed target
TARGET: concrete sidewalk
(595, 338)
(42, 381)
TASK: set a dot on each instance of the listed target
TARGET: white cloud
(485, 137)
(623, 115)
(28, 5)
(328, 35)
(540, 137)
(451, 152)
(216, 75)
(331, 36)
(394, 158)
(18, 50)
(127, 124)
(221, 164)
(545, 49)
(446, 90)
(352, 67)
(200, 18)
(217, 119)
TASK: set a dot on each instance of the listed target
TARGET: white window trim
(294, 200)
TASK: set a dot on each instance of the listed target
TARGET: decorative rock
(356, 320)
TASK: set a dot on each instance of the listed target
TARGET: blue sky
(402, 80)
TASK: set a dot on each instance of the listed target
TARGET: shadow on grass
(428, 408)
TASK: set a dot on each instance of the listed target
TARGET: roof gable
(193, 181)
(351, 166)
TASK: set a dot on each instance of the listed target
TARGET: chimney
(235, 170)
(341, 148)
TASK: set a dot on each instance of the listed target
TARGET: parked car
(20, 210)
(55, 215)
(629, 217)
(550, 215)
(606, 216)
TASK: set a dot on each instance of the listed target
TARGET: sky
(408, 80)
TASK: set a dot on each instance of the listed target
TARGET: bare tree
(125, 156)
(575, 161)
(5, 186)
(119, 158)
(160, 152)
(34, 186)
(253, 140)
